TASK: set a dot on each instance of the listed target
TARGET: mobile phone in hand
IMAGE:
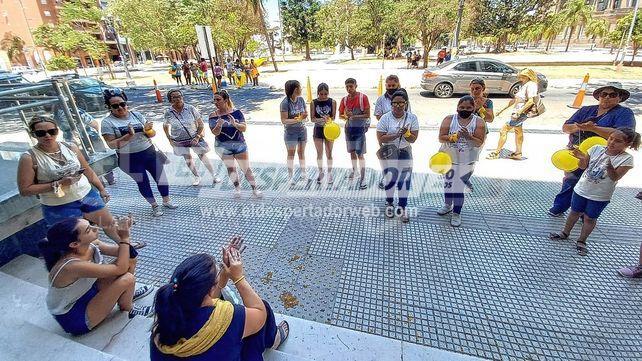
(79, 172)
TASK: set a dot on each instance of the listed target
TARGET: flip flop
(581, 248)
(493, 155)
(283, 335)
(515, 156)
(557, 236)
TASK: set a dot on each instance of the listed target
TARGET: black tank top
(322, 107)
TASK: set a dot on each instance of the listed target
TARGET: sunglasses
(118, 105)
(398, 104)
(41, 133)
(609, 95)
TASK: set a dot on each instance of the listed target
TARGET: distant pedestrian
(441, 56)
(448, 56)
(293, 115)
(254, 73)
(355, 110)
(229, 67)
(196, 72)
(187, 73)
(323, 110)
(218, 75)
(414, 60)
(408, 59)
(204, 70)
(177, 73)
(247, 69)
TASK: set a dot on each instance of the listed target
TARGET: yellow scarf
(206, 337)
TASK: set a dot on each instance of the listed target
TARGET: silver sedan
(454, 77)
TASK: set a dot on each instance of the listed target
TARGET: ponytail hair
(56, 245)
(631, 137)
(177, 301)
(226, 96)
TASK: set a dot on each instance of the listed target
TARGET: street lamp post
(628, 37)
(121, 52)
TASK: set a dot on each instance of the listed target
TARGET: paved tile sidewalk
(494, 288)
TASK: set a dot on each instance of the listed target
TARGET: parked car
(454, 77)
(88, 92)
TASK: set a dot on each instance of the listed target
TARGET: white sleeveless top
(464, 150)
(48, 170)
(61, 299)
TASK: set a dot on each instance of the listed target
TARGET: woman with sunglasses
(397, 129)
(593, 120)
(129, 134)
(83, 289)
(61, 177)
(227, 125)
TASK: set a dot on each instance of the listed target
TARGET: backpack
(344, 101)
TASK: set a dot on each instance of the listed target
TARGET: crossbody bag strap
(180, 121)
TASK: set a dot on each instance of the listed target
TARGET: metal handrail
(24, 90)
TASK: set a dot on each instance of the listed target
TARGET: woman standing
(176, 71)
(293, 114)
(218, 74)
(184, 129)
(483, 109)
(396, 131)
(187, 72)
(461, 135)
(194, 323)
(228, 125)
(196, 72)
(83, 289)
(129, 134)
(60, 176)
(323, 110)
(254, 72)
(526, 98)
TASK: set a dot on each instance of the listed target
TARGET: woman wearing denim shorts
(293, 114)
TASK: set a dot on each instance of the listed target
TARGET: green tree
(596, 28)
(335, 19)
(259, 10)
(65, 39)
(621, 31)
(62, 62)
(428, 19)
(14, 46)
(299, 22)
(574, 14)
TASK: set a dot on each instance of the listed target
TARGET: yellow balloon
(564, 160)
(440, 163)
(589, 143)
(331, 130)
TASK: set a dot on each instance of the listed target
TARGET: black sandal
(581, 248)
(557, 236)
(283, 334)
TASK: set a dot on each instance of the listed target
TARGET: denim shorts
(590, 208)
(356, 140)
(294, 136)
(229, 148)
(76, 321)
(90, 203)
(517, 122)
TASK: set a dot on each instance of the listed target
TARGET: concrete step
(27, 268)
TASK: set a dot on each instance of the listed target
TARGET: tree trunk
(307, 50)
(351, 53)
(635, 52)
(548, 44)
(267, 38)
(568, 41)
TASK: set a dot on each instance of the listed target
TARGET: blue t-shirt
(228, 348)
(618, 117)
(228, 132)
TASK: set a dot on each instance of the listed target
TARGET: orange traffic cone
(579, 98)
(214, 88)
(159, 97)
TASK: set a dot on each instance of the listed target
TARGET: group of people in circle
(192, 321)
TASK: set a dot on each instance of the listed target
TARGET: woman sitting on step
(82, 289)
(193, 322)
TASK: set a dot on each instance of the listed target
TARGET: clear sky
(272, 9)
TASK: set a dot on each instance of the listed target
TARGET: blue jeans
(562, 201)
(137, 165)
(401, 175)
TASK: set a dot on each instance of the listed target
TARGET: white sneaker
(157, 211)
(455, 220)
(216, 180)
(292, 181)
(237, 193)
(330, 178)
(445, 209)
(197, 181)
(257, 194)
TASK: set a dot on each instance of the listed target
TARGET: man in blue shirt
(589, 121)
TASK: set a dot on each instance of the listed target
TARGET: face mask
(464, 113)
(390, 91)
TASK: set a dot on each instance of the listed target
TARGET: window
(467, 66)
(492, 67)
(47, 13)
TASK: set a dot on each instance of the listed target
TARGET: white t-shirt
(182, 125)
(526, 91)
(595, 184)
(389, 124)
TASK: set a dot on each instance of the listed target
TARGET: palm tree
(550, 27)
(14, 46)
(259, 10)
(574, 14)
(597, 28)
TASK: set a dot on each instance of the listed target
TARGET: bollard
(579, 98)
(380, 87)
(309, 91)
(159, 98)
(214, 87)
